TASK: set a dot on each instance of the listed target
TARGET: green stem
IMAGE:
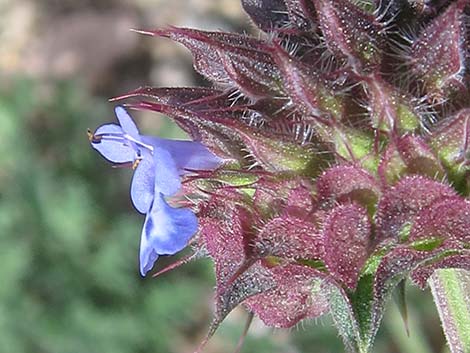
(345, 321)
(451, 291)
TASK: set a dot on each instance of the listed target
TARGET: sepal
(346, 236)
(347, 183)
(438, 56)
(350, 33)
(233, 60)
(409, 154)
(400, 205)
(268, 15)
(390, 111)
(301, 291)
(451, 143)
(306, 87)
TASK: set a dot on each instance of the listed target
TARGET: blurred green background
(69, 237)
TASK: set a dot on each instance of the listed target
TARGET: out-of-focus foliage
(69, 243)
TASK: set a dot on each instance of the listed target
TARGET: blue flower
(159, 163)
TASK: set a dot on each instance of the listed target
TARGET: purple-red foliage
(291, 300)
(347, 236)
(439, 56)
(345, 183)
(346, 146)
(401, 203)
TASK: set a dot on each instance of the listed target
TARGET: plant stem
(451, 291)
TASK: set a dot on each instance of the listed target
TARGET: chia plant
(329, 162)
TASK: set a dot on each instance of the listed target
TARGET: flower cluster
(345, 142)
(159, 164)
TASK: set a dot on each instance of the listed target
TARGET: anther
(92, 137)
(136, 163)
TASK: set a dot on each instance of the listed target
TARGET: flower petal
(147, 255)
(115, 149)
(167, 179)
(186, 154)
(167, 230)
(127, 124)
(143, 184)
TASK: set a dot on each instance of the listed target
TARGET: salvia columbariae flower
(344, 129)
(159, 164)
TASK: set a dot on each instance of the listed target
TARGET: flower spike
(329, 161)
